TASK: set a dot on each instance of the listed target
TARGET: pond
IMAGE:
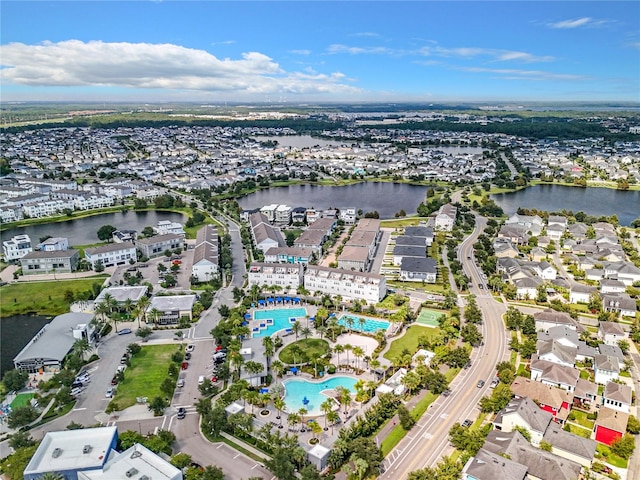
(384, 197)
(591, 200)
(83, 231)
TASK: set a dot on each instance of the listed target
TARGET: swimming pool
(275, 319)
(370, 325)
(297, 389)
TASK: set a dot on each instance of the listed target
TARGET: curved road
(428, 441)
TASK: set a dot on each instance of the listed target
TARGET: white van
(200, 379)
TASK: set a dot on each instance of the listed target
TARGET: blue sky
(322, 51)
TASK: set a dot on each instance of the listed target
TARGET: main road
(428, 441)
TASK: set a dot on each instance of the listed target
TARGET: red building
(610, 425)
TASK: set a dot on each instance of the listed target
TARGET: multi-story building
(206, 256)
(45, 262)
(284, 275)
(155, 246)
(288, 255)
(167, 226)
(112, 254)
(54, 243)
(17, 247)
(350, 285)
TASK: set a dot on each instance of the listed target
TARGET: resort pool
(370, 325)
(270, 321)
(297, 389)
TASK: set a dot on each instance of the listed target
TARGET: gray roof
(552, 372)
(487, 465)
(122, 294)
(55, 339)
(166, 237)
(51, 254)
(409, 251)
(611, 351)
(564, 353)
(570, 442)
(618, 392)
(607, 363)
(552, 316)
(419, 232)
(172, 303)
(111, 247)
(409, 240)
(417, 264)
(537, 419)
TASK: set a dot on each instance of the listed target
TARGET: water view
(594, 201)
(385, 198)
(83, 231)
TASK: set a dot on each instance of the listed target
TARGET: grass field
(309, 346)
(21, 400)
(143, 378)
(409, 340)
(430, 317)
(610, 458)
(44, 298)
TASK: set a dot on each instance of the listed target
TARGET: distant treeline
(537, 127)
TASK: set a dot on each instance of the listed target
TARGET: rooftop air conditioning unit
(131, 472)
(87, 449)
(56, 452)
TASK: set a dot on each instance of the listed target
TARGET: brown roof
(612, 419)
(552, 396)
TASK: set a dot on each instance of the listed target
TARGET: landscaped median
(144, 377)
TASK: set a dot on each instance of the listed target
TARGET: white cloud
(516, 74)
(144, 65)
(339, 48)
(365, 34)
(300, 52)
(225, 42)
(577, 23)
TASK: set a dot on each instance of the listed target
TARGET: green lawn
(145, 374)
(610, 458)
(44, 298)
(581, 419)
(309, 347)
(21, 400)
(409, 340)
(583, 432)
(400, 223)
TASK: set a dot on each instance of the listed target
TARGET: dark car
(187, 356)
(114, 381)
(446, 393)
(124, 331)
(467, 365)
(182, 412)
(480, 384)
(184, 365)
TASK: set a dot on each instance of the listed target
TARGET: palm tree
(269, 349)
(305, 331)
(338, 349)
(333, 324)
(155, 313)
(347, 348)
(102, 309)
(349, 320)
(326, 407)
(236, 361)
(295, 351)
(52, 476)
(333, 417)
(128, 306)
(358, 352)
(374, 364)
(278, 402)
(316, 429)
(361, 322)
(301, 413)
(293, 419)
(345, 398)
(277, 366)
(252, 397)
(296, 328)
(322, 330)
(81, 346)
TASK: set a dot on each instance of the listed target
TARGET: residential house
(416, 269)
(606, 369)
(53, 244)
(16, 248)
(611, 333)
(421, 232)
(156, 246)
(570, 446)
(556, 352)
(354, 258)
(407, 251)
(550, 399)
(619, 303)
(288, 255)
(580, 293)
(264, 235)
(533, 223)
(349, 215)
(608, 285)
(523, 412)
(111, 254)
(551, 318)
(206, 254)
(122, 295)
(610, 425)
(446, 217)
(47, 262)
(167, 226)
(553, 374)
(504, 248)
(617, 396)
(487, 465)
(585, 393)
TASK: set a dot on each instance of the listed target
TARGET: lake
(591, 200)
(384, 197)
(300, 141)
(15, 333)
(83, 231)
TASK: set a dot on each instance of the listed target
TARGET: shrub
(331, 368)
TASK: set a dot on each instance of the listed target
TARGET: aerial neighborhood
(184, 336)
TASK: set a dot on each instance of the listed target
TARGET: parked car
(190, 348)
(446, 393)
(184, 365)
(494, 383)
(180, 383)
(114, 381)
(124, 331)
(467, 423)
(110, 392)
(182, 412)
(187, 356)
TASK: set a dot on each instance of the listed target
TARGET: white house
(17, 247)
(606, 369)
(111, 254)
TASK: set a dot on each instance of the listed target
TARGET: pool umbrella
(293, 370)
(247, 315)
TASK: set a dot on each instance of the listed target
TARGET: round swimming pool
(297, 389)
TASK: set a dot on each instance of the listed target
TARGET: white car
(110, 392)
(190, 348)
